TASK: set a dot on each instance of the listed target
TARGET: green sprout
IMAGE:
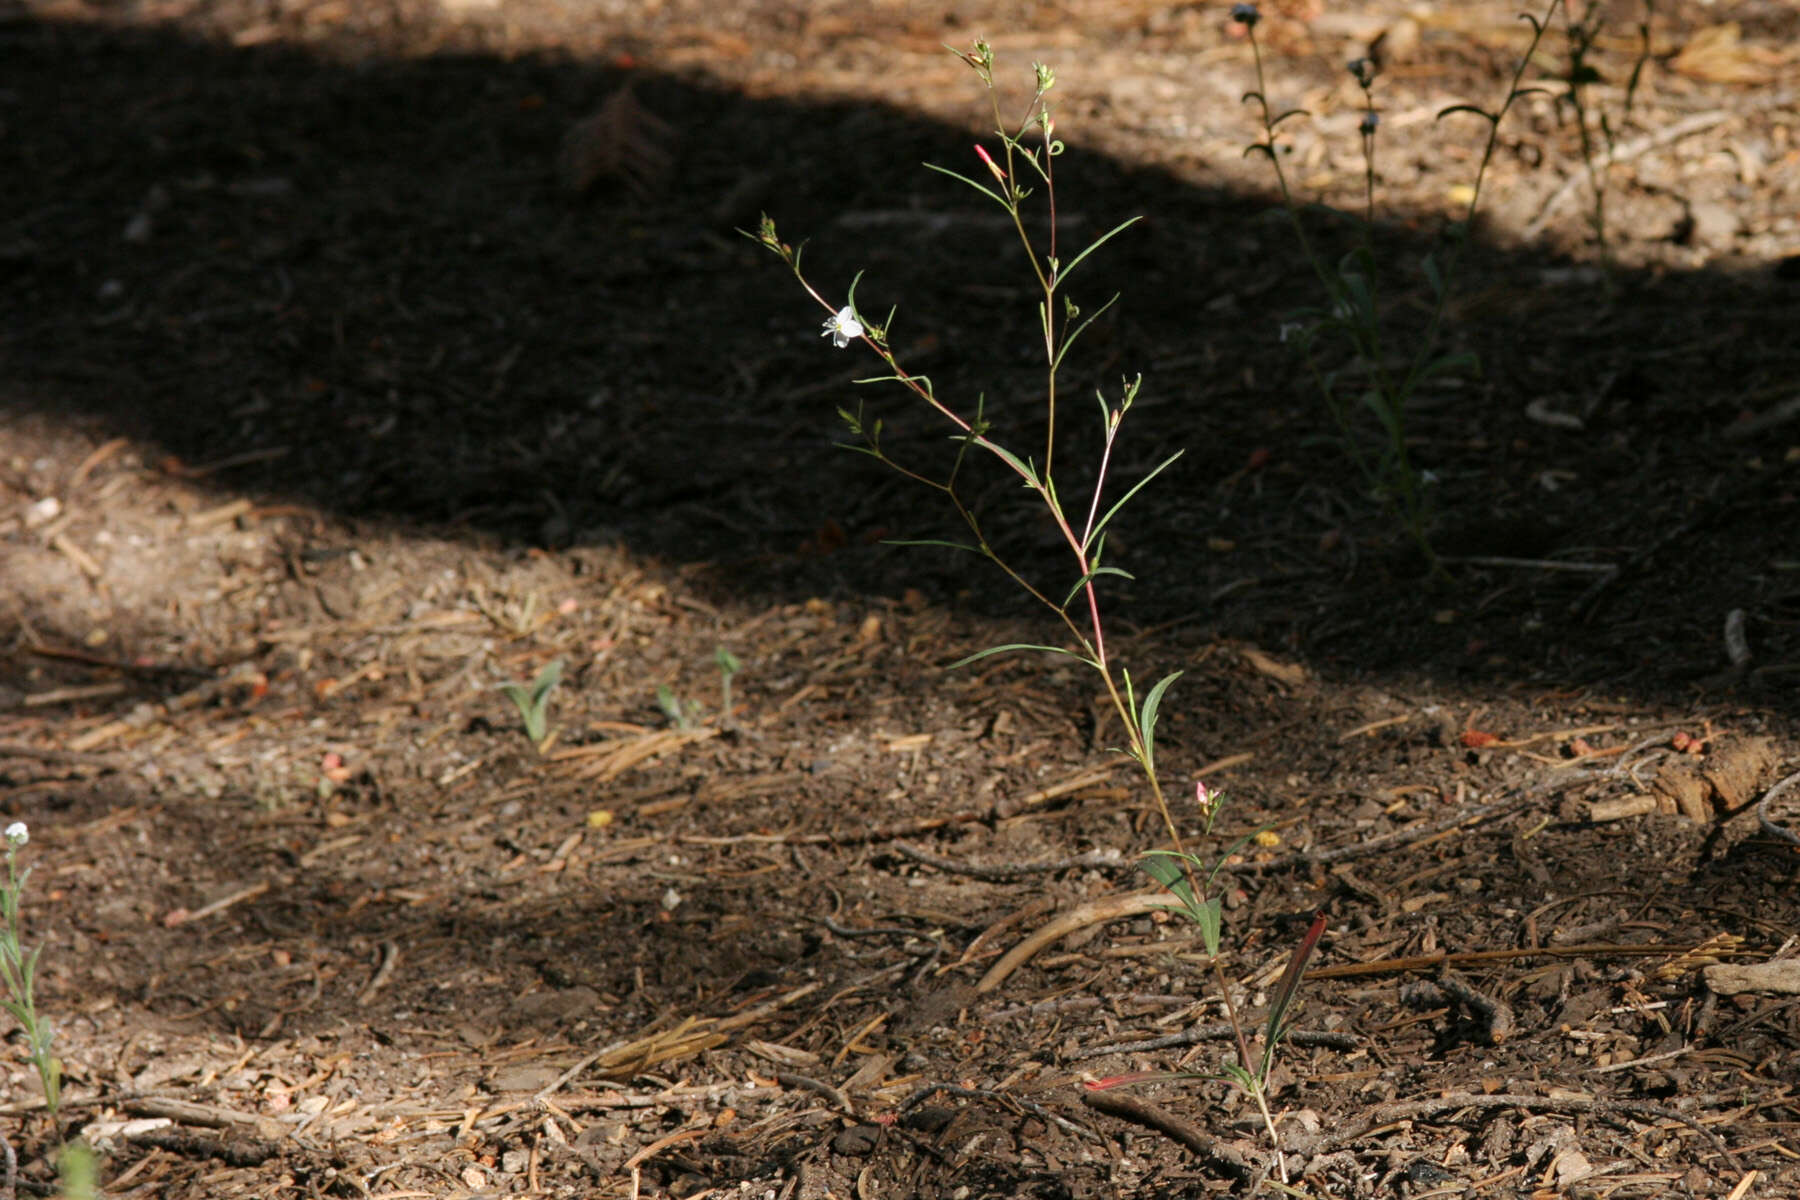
(729, 665)
(533, 702)
(682, 714)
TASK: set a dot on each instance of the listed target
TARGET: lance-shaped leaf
(1010, 646)
(1147, 720)
(1289, 987)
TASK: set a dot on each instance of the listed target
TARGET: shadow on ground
(357, 285)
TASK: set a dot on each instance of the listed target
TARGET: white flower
(842, 326)
(17, 834)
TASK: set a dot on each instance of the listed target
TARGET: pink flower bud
(991, 164)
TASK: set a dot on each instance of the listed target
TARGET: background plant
(18, 972)
(1368, 383)
(1021, 167)
(684, 713)
(1580, 35)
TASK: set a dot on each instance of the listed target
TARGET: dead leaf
(1289, 674)
(622, 140)
(1717, 54)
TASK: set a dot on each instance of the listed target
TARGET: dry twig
(1142, 1112)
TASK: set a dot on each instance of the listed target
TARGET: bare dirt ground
(329, 405)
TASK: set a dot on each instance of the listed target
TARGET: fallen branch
(1213, 1033)
(1016, 1102)
(1141, 1112)
(1094, 912)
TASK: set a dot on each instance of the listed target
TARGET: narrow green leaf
(1238, 1075)
(1483, 113)
(1287, 989)
(1147, 720)
(1098, 242)
(546, 679)
(976, 550)
(1071, 335)
(1211, 922)
(521, 699)
(1025, 470)
(923, 381)
(1010, 646)
(982, 188)
(1089, 578)
(1289, 986)
(1126, 498)
(1164, 866)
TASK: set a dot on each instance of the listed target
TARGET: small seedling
(682, 714)
(533, 702)
(729, 666)
(18, 972)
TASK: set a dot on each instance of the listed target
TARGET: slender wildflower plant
(1026, 159)
(1369, 380)
(18, 972)
(1061, 321)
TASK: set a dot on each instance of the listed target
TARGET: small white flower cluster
(17, 835)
